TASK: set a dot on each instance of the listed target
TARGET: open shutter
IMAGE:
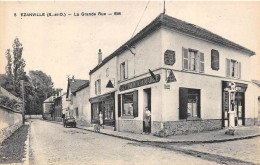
(214, 59)
(135, 104)
(228, 67)
(119, 105)
(126, 69)
(183, 100)
(199, 107)
(95, 87)
(239, 70)
(185, 59)
(201, 62)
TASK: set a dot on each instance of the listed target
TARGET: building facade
(180, 72)
(81, 105)
(48, 106)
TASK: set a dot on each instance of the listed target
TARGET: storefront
(106, 105)
(237, 103)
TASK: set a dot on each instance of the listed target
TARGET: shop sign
(167, 86)
(170, 77)
(141, 82)
(225, 101)
(169, 57)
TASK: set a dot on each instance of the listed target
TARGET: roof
(178, 25)
(74, 84)
(82, 86)
(257, 82)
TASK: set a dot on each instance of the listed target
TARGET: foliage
(7, 102)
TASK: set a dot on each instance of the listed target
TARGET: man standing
(147, 119)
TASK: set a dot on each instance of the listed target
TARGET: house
(81, 105)
(180, 72)
(58, 107)
(48, 106)
(77, 104)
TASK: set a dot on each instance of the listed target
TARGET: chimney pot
(99, 56)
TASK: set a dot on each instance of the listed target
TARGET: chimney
(99, 56)
(73, 80)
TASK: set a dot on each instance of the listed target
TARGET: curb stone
(27, 146)
(170, 141)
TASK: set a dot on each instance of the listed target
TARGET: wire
(141, 18)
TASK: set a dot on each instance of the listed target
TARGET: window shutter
(135, 104)
(119, 105)
(214, 59)
(126, 69)
(185, 59)
(183, 99)
(239, 70)
(99, 86)
(201, 62)
(199, 107)
(95, 87)
(197, 59)
(228, 67)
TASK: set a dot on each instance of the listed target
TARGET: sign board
(167, 86)
(170, 76)
(141, 82)
(169, 57)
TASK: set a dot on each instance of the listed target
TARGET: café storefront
(237, 103)
(106, 105)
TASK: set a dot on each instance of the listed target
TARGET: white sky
(61, 46)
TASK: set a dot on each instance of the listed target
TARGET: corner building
(179, 71)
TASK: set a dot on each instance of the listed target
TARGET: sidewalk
(203, 137)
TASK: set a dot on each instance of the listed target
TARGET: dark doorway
(147, 103)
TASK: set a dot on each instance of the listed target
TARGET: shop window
(123, 71)
(189, 102)
(98, 87)
(233, 68)
(193, 60)
(109, 110)
(214, 59)
(95, 112)
(130, 104)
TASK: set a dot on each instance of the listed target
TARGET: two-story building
(179, 71)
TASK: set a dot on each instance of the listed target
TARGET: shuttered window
(192, 60)
(233, 68)
(185, 58)
(214, 59)
(201, 68)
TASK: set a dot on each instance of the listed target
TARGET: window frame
(233, 68)
(198, 64)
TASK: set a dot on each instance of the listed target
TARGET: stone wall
(10, 121)
(185, 127)
(251, 121)
(134, 126)
(47, 116)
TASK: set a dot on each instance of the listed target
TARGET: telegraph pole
(22, 83)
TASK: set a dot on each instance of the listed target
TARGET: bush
(7, 102)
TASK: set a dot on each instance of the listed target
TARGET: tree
(18, 65)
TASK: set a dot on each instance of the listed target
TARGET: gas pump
(231, 89)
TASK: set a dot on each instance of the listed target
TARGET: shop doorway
(147, 103)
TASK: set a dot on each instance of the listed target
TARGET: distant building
(48, 107)
(58, 107)
(179, 71)
(74, 86)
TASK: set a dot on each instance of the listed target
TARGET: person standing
(147, 119)
(100, 119)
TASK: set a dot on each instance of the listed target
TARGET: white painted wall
(175, 41)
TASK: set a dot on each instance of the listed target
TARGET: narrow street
(51, 143)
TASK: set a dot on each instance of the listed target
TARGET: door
(147, 103)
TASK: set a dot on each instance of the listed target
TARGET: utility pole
(164, 7)
(22, 84)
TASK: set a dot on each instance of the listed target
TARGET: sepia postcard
(129, 82)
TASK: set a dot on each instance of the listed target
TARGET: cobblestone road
(246, 150)
(51, 143)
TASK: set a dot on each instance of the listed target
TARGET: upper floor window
(193, 60)
(233, 68)
(123, 70)
(98, 87)
(214, 59)
(107, 72)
